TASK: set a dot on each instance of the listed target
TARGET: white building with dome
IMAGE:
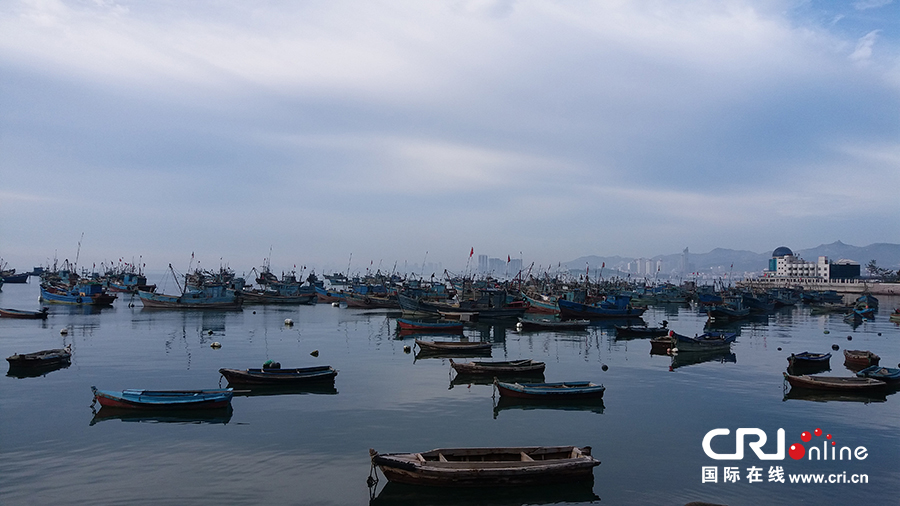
(784, 264)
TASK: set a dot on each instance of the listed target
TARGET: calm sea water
(311, 447)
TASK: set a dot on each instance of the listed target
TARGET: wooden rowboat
(488, 467)
(561, 390)
(514, 367)
(452, 345)
(44, 358)
(405, 324)
(851, 383)
(552, 324)
(23, 314)
(860, 359)
(279, 376)
(808, 359)
(163, 399)
(625, 331)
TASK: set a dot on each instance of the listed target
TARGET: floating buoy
(254, 312)
(209, 332)
(335, 304)
(849, 338)
(835, 347)
(215, 345)
(315, 353)
(288, 322)
(879, 333)
(827, 332)
(63, 331)
(604, 367)
(519, 326)
(406, 349)
(779, 348)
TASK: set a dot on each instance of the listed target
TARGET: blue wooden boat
(867, 299)
(886, 374)
(166, 399)
(807, 359)
(88, 294)
(560, 390)
(613, 307)
(279, 376)
(702, 342)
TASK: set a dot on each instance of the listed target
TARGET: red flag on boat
(507, 259)
(472, 252)
(603, 265)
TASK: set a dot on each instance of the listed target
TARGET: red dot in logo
(818, 432)
(805, 436)
(797, 451)
(833, 443)
(828, 436)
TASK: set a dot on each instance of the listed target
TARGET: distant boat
(168, 399)
(279, 376)
(703, 342)
(560, 390)
(488, 467)
(45, 358)
(452, 345)
(87, 294)
(23, 314)
(859, 359)
(548, 306)
(551, 324)
(730, 310)
(886, 374)
(807, 359)
(613, 307)
(208, 297)
(852, 383)
(522, 367)
(11, 277)
(406, 324)
(371, 301)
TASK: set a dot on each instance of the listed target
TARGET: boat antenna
(423, 265)
(78, 253)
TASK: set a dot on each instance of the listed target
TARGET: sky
(331, 134)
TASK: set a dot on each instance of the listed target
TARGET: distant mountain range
(721, 260)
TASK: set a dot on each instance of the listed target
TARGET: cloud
(862, 5)
(864, 46)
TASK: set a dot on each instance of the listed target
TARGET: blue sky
(402, 131)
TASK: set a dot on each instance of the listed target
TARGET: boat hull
(163, 399)
(569, 309)
(851, 384)
(161, 301)
(297, 376)
(488, 467)
(516, 367)
(24, 315)
(548, 391)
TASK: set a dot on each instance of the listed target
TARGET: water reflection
(686, 358)
(825, 396)
(193, 416)
(510, 403)
(468, 379)
(320, 388)
(401, 494)
(34, 371)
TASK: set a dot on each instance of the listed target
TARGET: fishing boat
(551, 324)
(626, 331)
(371, 301)
(452, 345)
(660, 345)
(522, 367)
(11, 277)
(807, 359)
(702, 342)
(895, 316)
(860, 359)
(88, 294)
(851, 383)
(545, 304)
(207, 297)
(23, 314)
(730, 310)
(44, 358)
(269, 376)
(488, 467)
(166, 399)
(886, 374)
(560, 390)
(613, 307)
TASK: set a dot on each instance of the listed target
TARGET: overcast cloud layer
(402, 131)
